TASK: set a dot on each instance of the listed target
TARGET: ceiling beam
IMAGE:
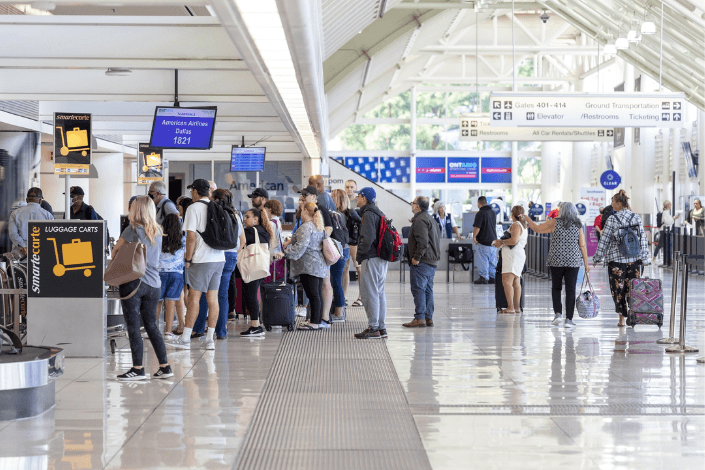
(502, 50)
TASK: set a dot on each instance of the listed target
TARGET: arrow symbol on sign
(496, 116)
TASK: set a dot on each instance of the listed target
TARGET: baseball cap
(309, 190)
(200, 185)
(259, 192)
(368, 193)
(76, 190)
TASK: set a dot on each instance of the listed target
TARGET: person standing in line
(374, 268)
(445, 221)
(697, 217)
(273, 209)
(598, 224)
(324, 198)
(158, 193)
(513, 260)
(259, 197)
(354, 221)
(621, 268)
(182, 203)
(337, 271)
(667, 222)
(424, 253)
(304, 249)
(143, 304)
(567, 253)
(79, 209)
(204, 267)
(171, 271)
(254, 220)
(483, 234)
(17, 225)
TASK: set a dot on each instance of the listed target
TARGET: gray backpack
(630, 245)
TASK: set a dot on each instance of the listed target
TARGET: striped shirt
(612, 235)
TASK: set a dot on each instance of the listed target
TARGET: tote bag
(332, 250)
(587, 303)
(253, 261)
(128, 265)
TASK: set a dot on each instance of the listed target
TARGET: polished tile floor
(484, 391)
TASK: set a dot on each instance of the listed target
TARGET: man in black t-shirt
(310, 194)
(484, 233)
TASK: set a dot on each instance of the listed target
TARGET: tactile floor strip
(333, 402)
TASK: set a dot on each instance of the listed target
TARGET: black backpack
(221, 227)
(340, 232)
(659, 219)
(353, 230)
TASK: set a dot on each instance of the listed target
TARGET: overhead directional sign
(510, 109)
(478, 129)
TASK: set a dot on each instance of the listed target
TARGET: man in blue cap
(373, 268)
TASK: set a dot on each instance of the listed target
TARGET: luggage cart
(73, 254)
(115, 321)
(13, 283)
(76, 138)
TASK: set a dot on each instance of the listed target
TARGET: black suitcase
(500, 297)
(278, 304)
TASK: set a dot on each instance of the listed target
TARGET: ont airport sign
(664, 110)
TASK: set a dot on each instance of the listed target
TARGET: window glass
(431, 104)
(430, 137)
(398, 107)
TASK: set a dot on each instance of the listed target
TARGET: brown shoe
(414, 323)
(429, 322)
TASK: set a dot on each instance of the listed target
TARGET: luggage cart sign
(72, 143)
(665, 110)
(149, 164)
(65, 259)
(473, 129)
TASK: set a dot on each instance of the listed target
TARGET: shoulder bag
(332, 250)
(253, 261)
(587, 303)
(128, 265)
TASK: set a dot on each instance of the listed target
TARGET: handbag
(128, 265)
(253, 261)
(587, 303)
(332, 250)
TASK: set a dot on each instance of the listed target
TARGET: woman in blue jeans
(221, 327)
(143, 293)
(338, 269)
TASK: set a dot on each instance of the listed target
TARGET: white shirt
(666, 219)
(195, 221)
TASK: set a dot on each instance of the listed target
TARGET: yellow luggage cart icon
(74, 253)
(76, 138)
(153, 161)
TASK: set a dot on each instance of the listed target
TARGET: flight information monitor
(247, 159)
(183, 128)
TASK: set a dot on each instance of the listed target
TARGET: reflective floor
(484, 391)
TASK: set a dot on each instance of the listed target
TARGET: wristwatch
(187, 261)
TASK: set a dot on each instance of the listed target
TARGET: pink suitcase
(645, 302)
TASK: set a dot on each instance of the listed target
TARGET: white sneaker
(169, 336)
(179, 343)
(558, 320)
(569, 324)
(208, 345)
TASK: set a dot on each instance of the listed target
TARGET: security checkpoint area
(435, 234)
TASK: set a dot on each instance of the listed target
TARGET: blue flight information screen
(183, 128)
(247, 159)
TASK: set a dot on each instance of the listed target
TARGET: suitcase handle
(75, 241)
(76, 129)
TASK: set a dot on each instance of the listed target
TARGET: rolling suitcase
(278, 304)
(500, 297)
(645, 302)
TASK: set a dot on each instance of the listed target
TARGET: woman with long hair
(621, 268)
(255, 220)
(171, 270)
(513, 259)
(337, 271)
(273, 209)
(567, 253)
(182, 204)
(144, 292)
(304, 249)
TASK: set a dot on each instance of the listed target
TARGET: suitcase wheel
(268, 328)
(290, 328)
(112, 346)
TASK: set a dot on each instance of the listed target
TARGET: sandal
(307, 326)
(357, 303)
(507, 311)
(176, 332)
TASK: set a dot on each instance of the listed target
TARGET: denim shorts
(172, 285)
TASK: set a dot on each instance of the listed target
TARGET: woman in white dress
(513, 259)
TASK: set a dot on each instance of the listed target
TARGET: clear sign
(463, 170)
(72, 143)
(536, 209)
(430, 170)
(183, 128)
(586, 109)
(149, 164)
(479, 129)
(582, 209)
(610, 179)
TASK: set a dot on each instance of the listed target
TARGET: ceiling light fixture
(609, 49)
(621, 44)
(118, 72)
(648, 28)
(48, 6)
(265, 27)
(634, 35)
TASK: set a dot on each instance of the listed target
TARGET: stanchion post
(674, 298)
(682, 347)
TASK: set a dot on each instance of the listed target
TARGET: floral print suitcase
(645, 302)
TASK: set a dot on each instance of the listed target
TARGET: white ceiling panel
(388, 57)
(377, 88)
(343, 114)
(343, 19)
(347, 87)
(435, 29)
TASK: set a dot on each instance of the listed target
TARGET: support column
(106, 191)
(412, 145)
(515, 174)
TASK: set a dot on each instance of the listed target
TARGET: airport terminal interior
(542, 111)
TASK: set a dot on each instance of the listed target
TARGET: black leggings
(313, 286)
(142, 304)
(249, 298)
(558, 273)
